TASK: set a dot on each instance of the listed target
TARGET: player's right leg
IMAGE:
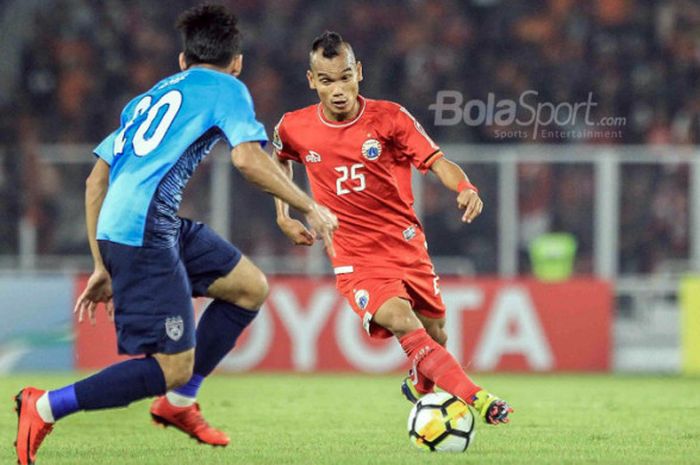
(216, 269)
(435, 362)
(237, 298)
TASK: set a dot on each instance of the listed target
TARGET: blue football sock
(63, 402)
(190, 389)
(120, 384)
(217, 333)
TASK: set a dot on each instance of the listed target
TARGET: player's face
(337, 82)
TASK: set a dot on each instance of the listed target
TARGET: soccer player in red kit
(358, 155)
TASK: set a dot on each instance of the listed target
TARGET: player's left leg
(153, 316)
(218, 270)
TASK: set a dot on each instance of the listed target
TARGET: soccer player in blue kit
(148, 261)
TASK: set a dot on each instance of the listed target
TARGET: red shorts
(367, 288)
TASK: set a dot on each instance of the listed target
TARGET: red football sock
(436, 363)
(423, 384)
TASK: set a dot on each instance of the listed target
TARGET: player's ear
(310, 78)
(359, 71)
(181, 60)
(236, 65)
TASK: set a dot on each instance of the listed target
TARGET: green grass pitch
(355, 420)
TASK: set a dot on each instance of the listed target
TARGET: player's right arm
(292, 228)
(96, 187)
(283, 155)
(244, 134)
(257, 167)
(99, 287)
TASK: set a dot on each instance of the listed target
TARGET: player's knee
(255, 293)
(262, 290)
(250, 294)
(399, 319)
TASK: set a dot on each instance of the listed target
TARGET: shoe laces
(498, 411)
(192, 418)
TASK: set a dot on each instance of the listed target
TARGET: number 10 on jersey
(350, 173)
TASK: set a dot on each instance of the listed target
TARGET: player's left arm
(455, 179)
(424, 153)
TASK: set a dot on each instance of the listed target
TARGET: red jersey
(361, 171)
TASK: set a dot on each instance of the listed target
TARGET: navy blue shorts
(153, 287)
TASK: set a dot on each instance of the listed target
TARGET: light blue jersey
(164, 135)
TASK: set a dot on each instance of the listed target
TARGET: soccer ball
(441, 422)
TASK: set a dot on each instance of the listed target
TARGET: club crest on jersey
(362, 298)
(371, 149)
(174, 327)
(313, 157)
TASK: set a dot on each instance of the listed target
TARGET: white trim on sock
(43, 408)
(178, 400)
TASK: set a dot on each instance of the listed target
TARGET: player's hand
(323, 222)
(296, 231)
(98, 289)
(469, 201)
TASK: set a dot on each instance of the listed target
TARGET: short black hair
(209, 35)
(330, 42)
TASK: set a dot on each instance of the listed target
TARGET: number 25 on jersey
(350, 173)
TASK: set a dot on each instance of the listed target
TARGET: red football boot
(189, 420)
(31, 429)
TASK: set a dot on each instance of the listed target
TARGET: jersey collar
(342, 124)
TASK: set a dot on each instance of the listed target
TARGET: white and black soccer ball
(441, 422)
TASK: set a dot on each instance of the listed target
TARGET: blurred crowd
(73, 64)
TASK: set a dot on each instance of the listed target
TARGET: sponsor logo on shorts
(174, 327)
(371, 149)
(362, 298)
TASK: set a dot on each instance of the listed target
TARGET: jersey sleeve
(236, 116)
(413, 142)
(280, 140)
(105, 150)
